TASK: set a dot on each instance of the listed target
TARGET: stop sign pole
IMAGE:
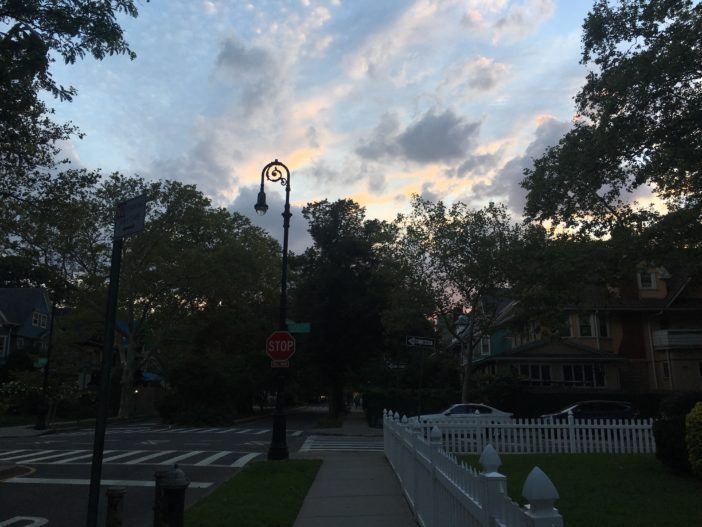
(275, 172)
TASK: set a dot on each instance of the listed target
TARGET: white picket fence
(444, 492)
(533, 436)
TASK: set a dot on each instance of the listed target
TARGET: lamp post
(278, 172)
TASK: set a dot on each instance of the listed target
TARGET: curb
(11, 471)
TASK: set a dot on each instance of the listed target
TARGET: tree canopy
(637, 126)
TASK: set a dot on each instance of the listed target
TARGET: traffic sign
(420, 342)
(130, 216)
(280, 346)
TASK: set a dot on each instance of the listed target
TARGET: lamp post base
(279, 447)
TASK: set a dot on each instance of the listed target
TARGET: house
(25, 319)
(643, 336)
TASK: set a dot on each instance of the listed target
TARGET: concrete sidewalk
(354, 489)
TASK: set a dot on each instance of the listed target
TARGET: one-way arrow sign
(422, 342)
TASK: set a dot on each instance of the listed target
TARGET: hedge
(693, 439)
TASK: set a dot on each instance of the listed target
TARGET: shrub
(693, 439)
(669, 430)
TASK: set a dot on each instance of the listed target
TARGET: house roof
(18, 303)
(554, 350)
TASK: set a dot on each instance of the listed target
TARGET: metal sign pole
(104, 394)
(129, 219)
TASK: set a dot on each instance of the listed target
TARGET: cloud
(475, 165)
(522, 20)
(434, 138)
(298, 237)
(253, 71)
(506, 183)
(427, 194)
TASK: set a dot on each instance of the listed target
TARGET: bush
(693, 439)
(669, 430)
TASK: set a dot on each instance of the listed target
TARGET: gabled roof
(554, 350)
(17, 305)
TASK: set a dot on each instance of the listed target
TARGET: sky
(373, 100)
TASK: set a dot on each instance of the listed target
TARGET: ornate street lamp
(274, 172)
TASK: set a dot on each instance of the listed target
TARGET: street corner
(11, 470)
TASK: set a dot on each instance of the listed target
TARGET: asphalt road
(57, 487)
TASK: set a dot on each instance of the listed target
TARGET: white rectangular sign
(130, 216)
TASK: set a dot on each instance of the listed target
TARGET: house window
(43, 320)
(699, 366)
(485, 346)
(602, 326)
(565, 330)
(35, 319)
(585, 325)
(535, 374)
(647, 279)
(20, 343)
(666, 371)
(583, 375)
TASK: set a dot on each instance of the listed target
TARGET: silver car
(470, 411)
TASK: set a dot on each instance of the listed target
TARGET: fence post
(115, 506)
(494, 483)
(541, 494)
(571, 433)
(434, 452)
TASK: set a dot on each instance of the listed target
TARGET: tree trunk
(468, 367)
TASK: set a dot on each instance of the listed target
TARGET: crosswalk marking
(200, 458)
(239, 463)
(39, 453)
(150, 456)
(120, 456)
(341, 444)
(52, 456)
(160, 429)
(212, 459)
(104, 482)
(174, 460)
(83, 456)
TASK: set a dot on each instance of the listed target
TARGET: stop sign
(280, 345)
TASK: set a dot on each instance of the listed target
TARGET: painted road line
(35, 453)
(75, 458)
(239, 463)
(150, 456)
(64, 453)
(261, 432)
(188, 430)
(126, 454)
(110, 482)
(227, 431)
(246, 430)
(297, 434)
(174, 460)
(212, 459)
(11, 452)
(209, 430)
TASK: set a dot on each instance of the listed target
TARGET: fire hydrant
(169, 499)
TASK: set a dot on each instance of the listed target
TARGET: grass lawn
(609, 490)
(264, 494)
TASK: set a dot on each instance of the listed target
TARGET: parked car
(596, 410)
(468, 411)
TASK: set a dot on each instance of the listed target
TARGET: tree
(33, 33)
(462, 256)
(639, 123)
(340, 289)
